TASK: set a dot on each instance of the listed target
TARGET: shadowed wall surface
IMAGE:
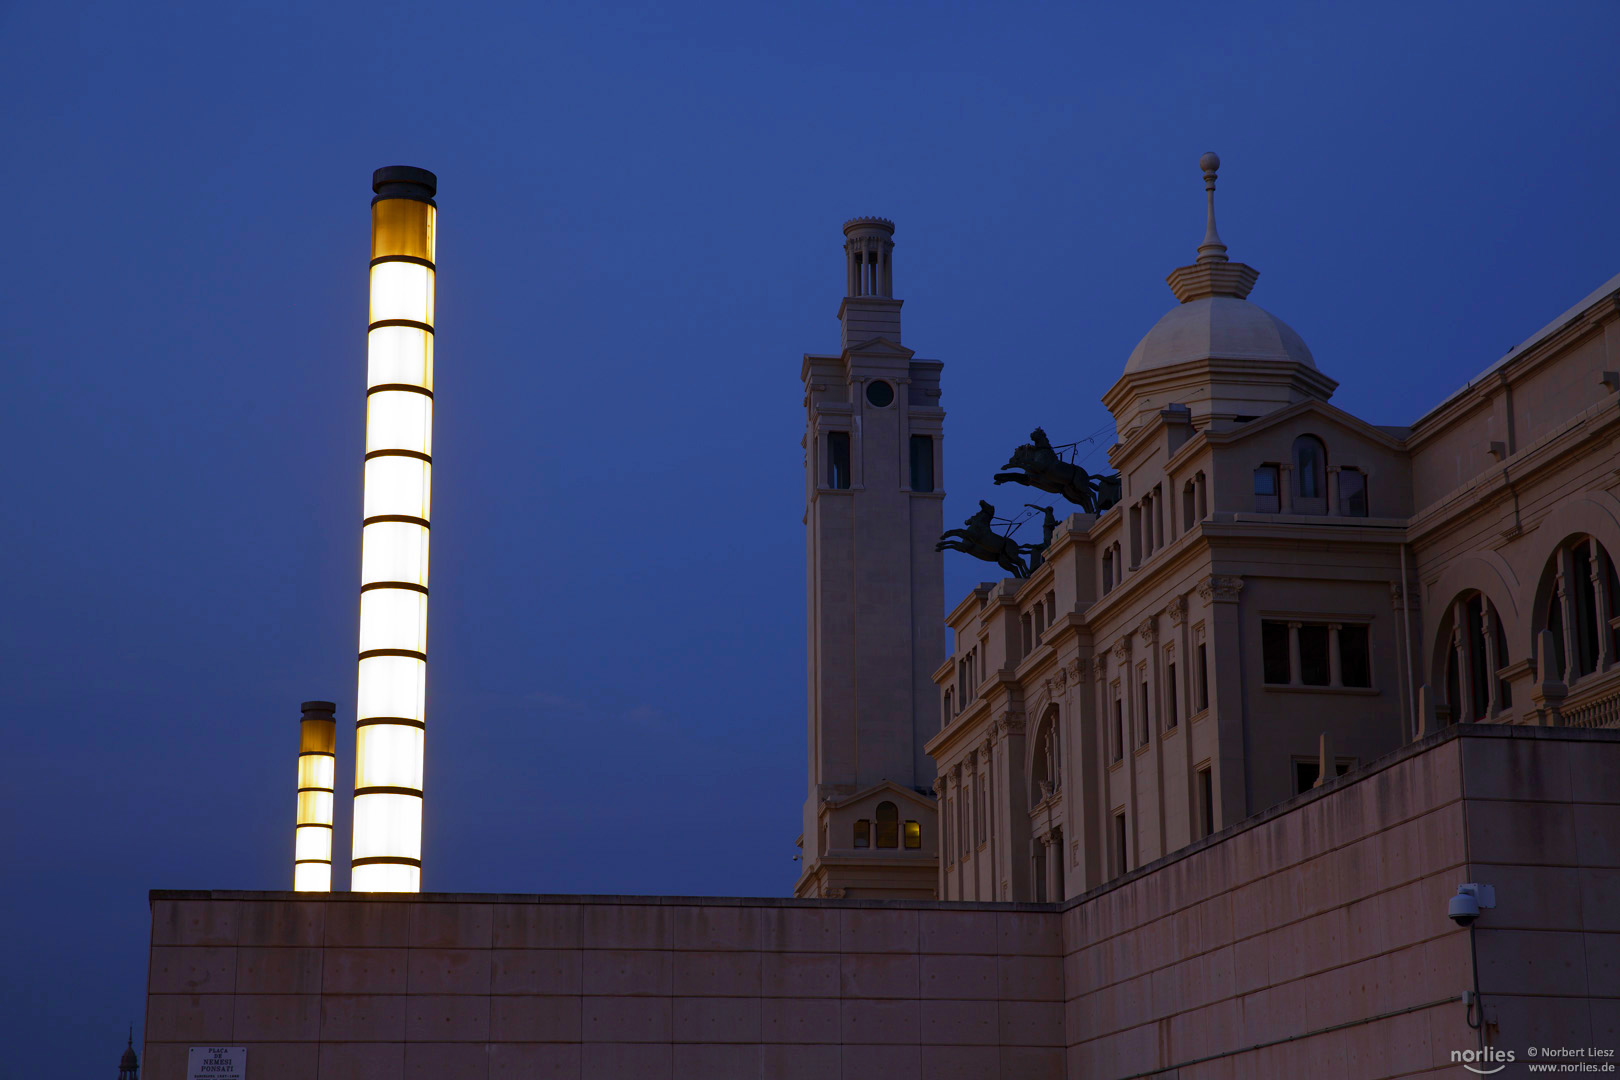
(1310, 940)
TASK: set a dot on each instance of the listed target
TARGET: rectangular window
(1136, 534)
(1119, 727)
(838, 459)
(1206, 802)
(913, 835)
(1051, 608)
(1040, 621)
(1143, 727)
(1028, 632)
(863, 833)
(922, 463)
(1265, 490)
(1121, 863)
(1170, 696)
(1352, 493)
(1355, 660)
(1203, 677)
(1313, 655)
(1274, 652)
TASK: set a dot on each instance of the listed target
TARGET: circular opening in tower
(880, 393)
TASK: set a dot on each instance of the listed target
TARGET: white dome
(1221, 327)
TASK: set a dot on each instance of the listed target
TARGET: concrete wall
(451, 986)
(1310, 940)
(1330, 910)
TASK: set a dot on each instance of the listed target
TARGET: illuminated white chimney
(317, 790)
(394, 538)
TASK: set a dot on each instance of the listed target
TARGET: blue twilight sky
(639, 237)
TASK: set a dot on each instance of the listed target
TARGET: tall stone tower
(873, 492)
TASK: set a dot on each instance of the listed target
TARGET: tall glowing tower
(391, 725)
(317, 791)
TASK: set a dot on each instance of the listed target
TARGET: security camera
(1471, 897)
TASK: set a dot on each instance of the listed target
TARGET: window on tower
(913, 835)
(838, 459)
(863, 833)
(888, 825)
(922, 463)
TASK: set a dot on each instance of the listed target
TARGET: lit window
(913, 835)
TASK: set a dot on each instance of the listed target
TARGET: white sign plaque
(217, 1063)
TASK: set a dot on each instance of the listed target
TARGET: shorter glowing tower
(391, 724)
(317, 784)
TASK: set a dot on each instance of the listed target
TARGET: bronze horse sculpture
(981, 541)
(1045, 470)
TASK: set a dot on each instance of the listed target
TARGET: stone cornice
(1478, 496)
(1513, 368)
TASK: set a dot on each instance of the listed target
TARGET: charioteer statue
(1045, 469)
(981, 540)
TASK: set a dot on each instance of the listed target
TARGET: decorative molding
(1220, 589)
(1148, 631)
(1122, 650)
(939, 786)
(1177, 610)
(833, 893)
(1397, 594)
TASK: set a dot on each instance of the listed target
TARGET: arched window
(888, 825)
(950, 698)
(1189, 506)
(1108, 570)
(1577, 601)
(1476, 653)
(863, 833)
(1046, 776)
(1310, 468)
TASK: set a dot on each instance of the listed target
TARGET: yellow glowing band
(402, 290)
(317, 771)
(400, 355)
(399, 420)
(314, 806)
(402, 227)
(312, 842)
(393, 619)
(394, 551)
(312, 877)
(385, 877)
(387, 825)
(388, 755)
(398, 486)
(392, 686)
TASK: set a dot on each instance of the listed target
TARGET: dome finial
(1211, 250)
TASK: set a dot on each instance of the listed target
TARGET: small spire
(1211, 250)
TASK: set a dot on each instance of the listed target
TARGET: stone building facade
(1283, 591)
